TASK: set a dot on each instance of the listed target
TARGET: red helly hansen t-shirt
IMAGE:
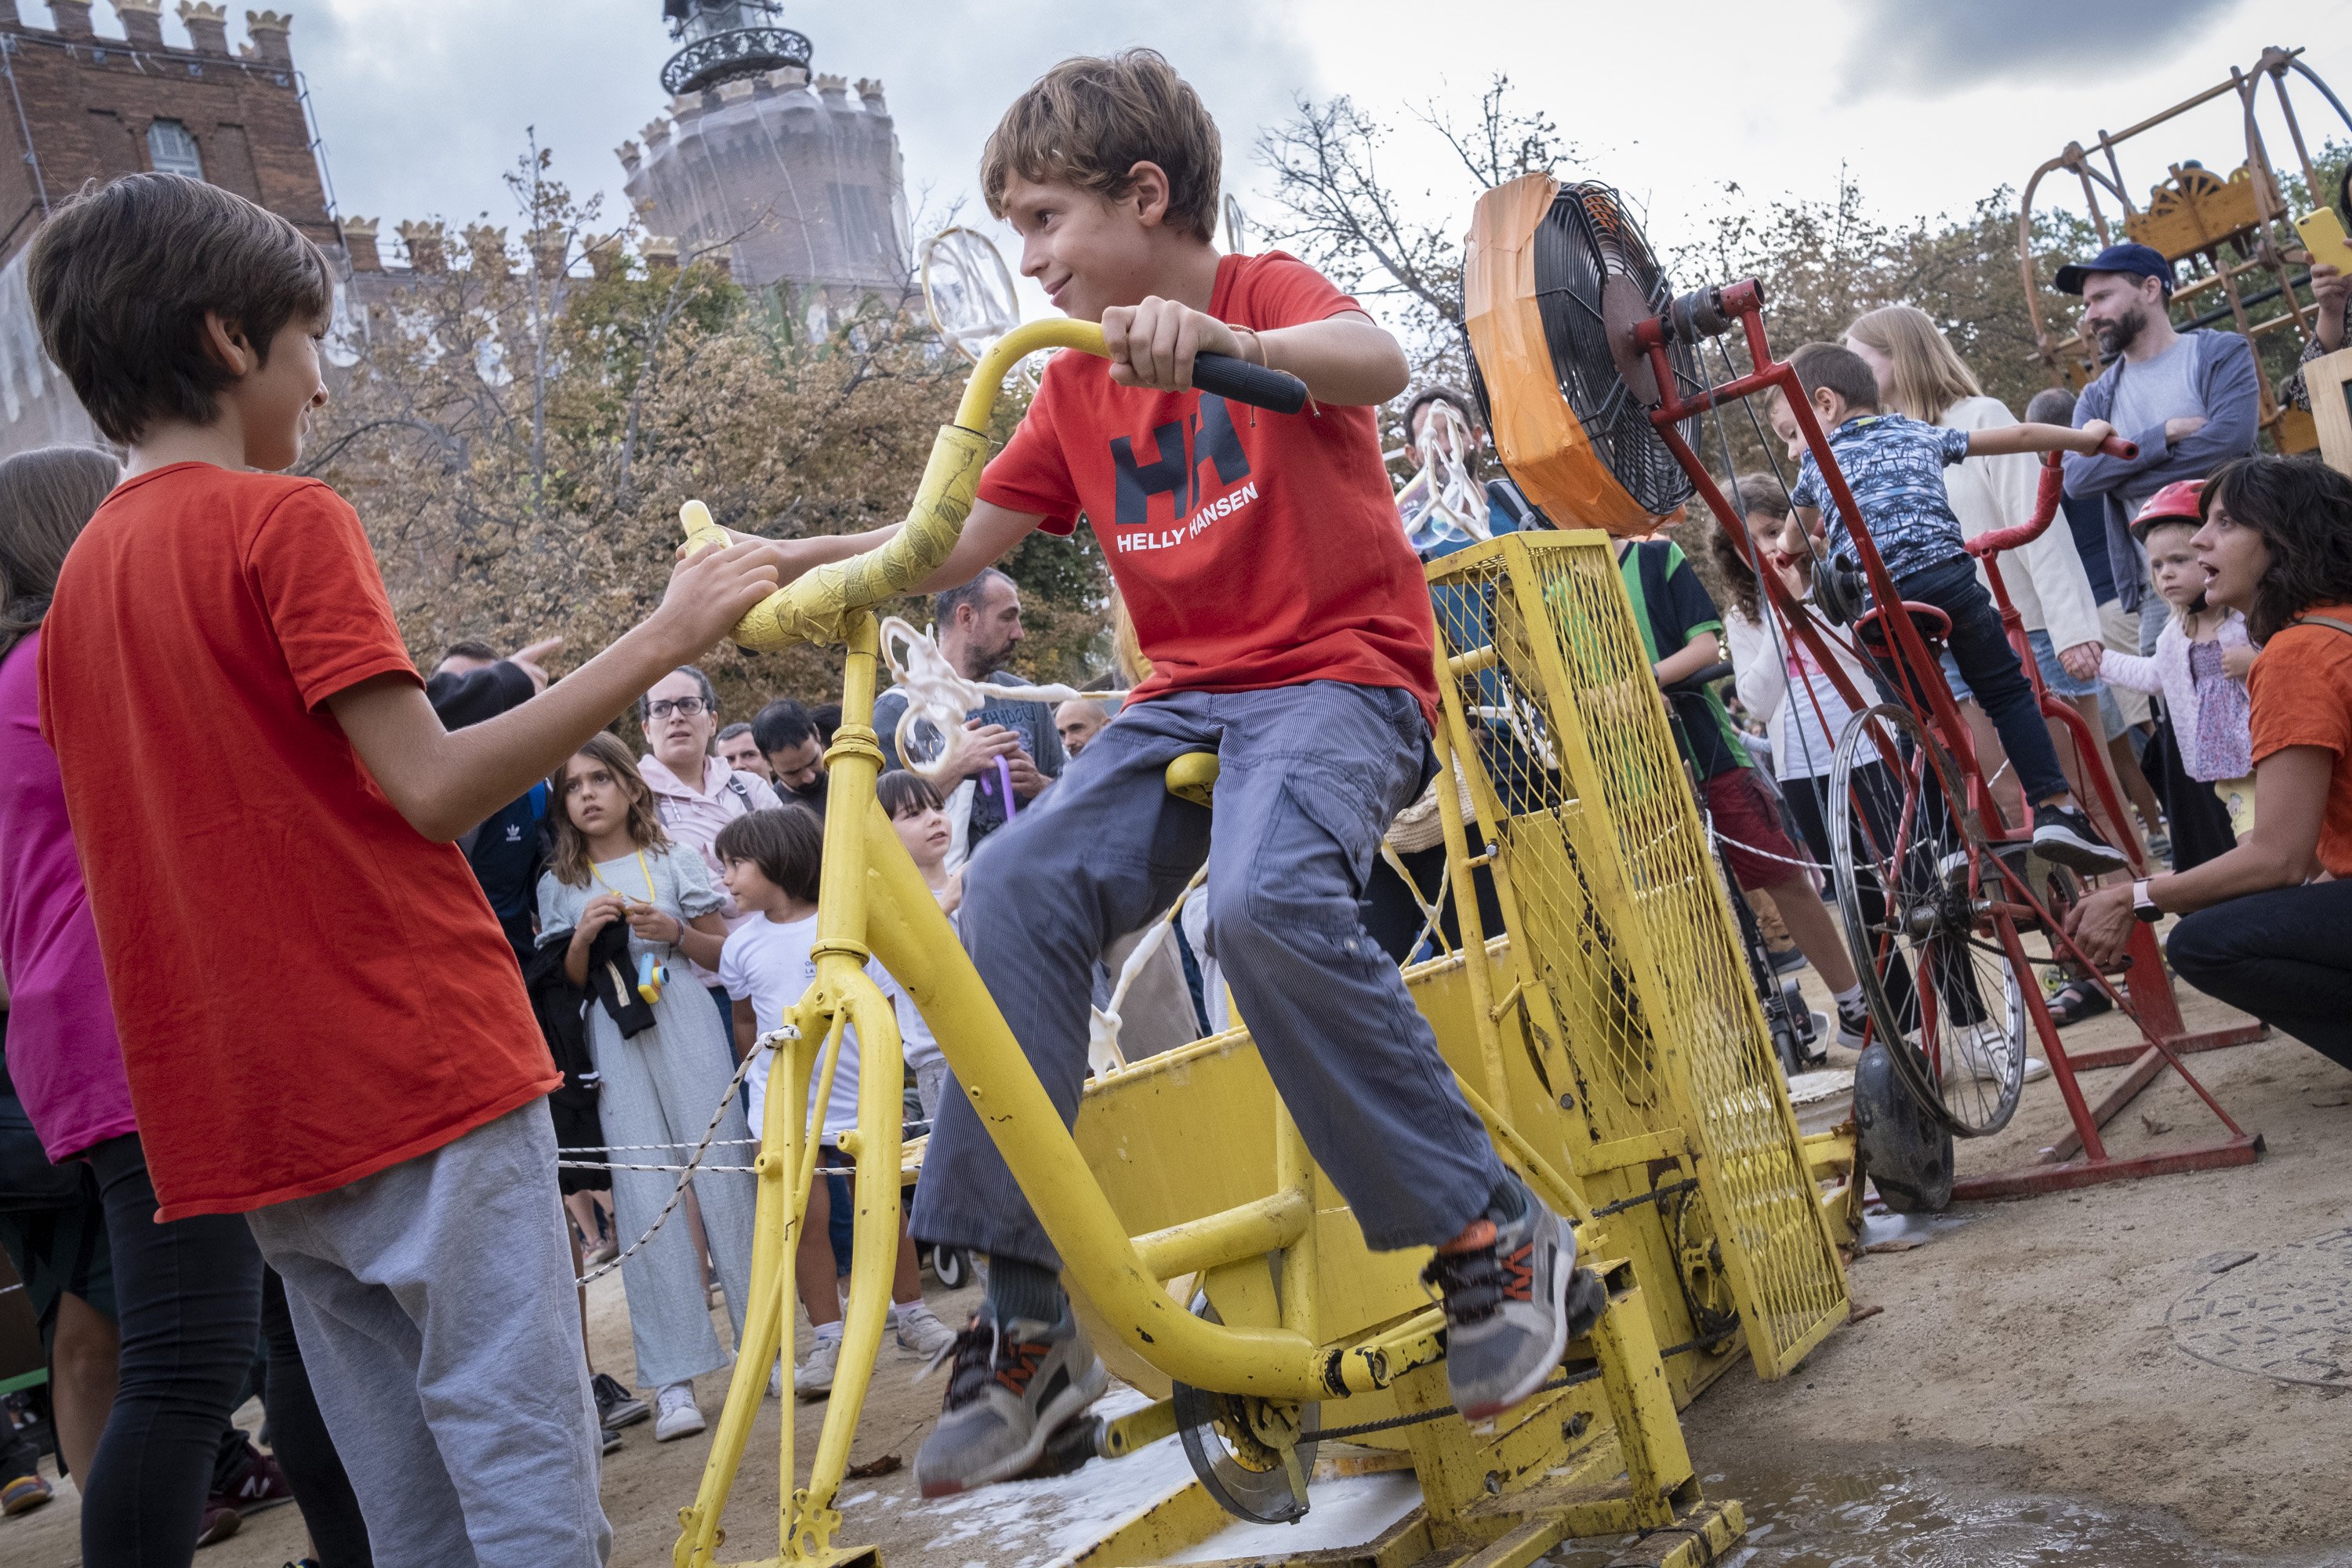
(1254, 550)
(307, 989)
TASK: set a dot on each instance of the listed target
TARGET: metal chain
(1567, 1379)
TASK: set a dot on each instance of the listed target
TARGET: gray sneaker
(1010, 1387)
(1511, 1306)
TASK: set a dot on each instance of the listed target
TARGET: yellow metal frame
(1308, 1315)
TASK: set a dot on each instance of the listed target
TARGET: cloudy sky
(422, 104)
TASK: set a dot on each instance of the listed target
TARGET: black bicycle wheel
(1911, 878)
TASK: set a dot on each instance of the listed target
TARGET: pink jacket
(2167, 673)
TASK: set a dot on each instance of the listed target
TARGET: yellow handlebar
(813, 607)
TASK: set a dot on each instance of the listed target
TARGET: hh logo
(1182, 447)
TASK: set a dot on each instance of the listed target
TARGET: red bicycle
(1936, 888)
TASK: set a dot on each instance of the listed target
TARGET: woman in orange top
(2271, 931)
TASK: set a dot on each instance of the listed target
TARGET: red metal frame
(2145, 996)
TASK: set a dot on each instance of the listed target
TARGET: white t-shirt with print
(771, 964)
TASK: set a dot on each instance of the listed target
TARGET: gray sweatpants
(435, 1304)
(1309, 778)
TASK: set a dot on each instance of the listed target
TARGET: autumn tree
(519, 426)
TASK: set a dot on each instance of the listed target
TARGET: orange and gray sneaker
(1514, 1297)
(1010, 1387)
(23, 1495)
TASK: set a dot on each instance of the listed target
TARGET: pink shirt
(62, 1049)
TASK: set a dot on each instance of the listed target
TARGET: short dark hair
(1442, 394)
(2050, 405)
(786, 843)
(826, 717)
(732, 730)
(1088, 122)
(2303, 509)
(470, 649)
(948, 601)
(122, 279)
(1841, 370)
(901, 792)
(782, 725)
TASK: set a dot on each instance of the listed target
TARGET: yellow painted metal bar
(919, 948)
(1483, 1015)
(1563, 1198)
(987, 377)
(1297, 1179)
(1251, 1230)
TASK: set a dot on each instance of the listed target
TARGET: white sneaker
(813, 1379)
(921, 1332)
(675, 1415)
(1981, 1052)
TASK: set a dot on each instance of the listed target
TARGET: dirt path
(2022, 1353)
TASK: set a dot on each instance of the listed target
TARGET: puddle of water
(1890, 1517)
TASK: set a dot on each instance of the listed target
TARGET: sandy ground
(2022, 1350)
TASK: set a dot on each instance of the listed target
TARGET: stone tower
(795, 180)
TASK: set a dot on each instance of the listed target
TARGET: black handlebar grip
(1238, 380)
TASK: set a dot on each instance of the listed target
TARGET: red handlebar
(2045, 502)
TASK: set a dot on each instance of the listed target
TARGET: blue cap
(2138, 259)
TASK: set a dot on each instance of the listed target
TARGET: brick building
(89, 106)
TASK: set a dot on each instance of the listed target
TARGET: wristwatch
(2143, 906)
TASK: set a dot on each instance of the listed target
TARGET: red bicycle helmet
(2176, 502)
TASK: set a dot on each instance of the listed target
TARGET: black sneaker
(2063, 833)
(609, 1439)
(616, 1406)
(1853, 1022)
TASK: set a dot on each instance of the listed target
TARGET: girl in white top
(771, 860)
(612, 863)
(920, 816)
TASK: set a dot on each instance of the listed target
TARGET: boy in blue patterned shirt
(1894, 467)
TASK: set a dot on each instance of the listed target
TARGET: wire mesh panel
(1616, 914)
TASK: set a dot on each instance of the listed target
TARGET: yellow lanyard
(644, 869)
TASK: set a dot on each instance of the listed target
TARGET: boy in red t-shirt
(1289, 630)
(322, 1023)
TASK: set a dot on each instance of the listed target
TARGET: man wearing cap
(2191, 400)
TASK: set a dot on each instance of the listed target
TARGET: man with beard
(978, 626)
(2191, 400)
(788, 737)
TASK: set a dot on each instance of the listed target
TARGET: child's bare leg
(1807, 920)
(812, 1260)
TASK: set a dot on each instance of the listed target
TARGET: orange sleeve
(311, 562)
(2301, 689)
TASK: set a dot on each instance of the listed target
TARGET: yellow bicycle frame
(873, 901)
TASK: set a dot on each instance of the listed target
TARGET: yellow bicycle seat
(1193, 778)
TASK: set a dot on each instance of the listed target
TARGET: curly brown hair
(570, 860)
(2303, 509)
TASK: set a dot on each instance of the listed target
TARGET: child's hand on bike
(709, 590)
(2089, 438)
(1153, 344)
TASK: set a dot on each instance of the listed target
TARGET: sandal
(2077, 999)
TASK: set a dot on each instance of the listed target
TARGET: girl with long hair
(619, 891)
(2268, 925)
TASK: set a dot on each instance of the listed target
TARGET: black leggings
(2284, 956)
(1808, 805)
(190, 1304)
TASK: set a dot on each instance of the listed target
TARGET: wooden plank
(2324, 378)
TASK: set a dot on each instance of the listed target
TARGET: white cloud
(422, 104)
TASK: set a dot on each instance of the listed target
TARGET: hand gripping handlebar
(813, 607)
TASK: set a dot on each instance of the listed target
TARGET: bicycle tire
(1892, 832)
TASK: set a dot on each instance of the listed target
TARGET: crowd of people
(307, 1104)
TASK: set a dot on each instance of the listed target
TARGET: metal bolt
(1493, 1483)
(1567, 1102)
(1577, 1424)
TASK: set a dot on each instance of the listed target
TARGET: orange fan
(1553, 281)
